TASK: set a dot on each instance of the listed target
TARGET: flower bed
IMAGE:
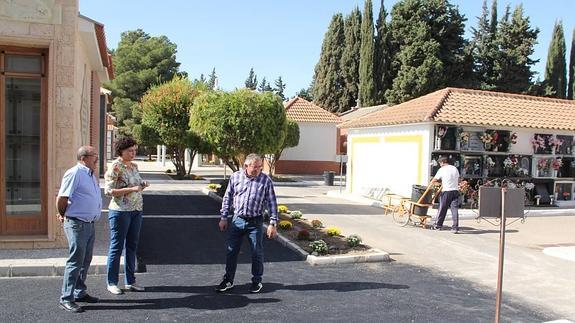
(304, 233)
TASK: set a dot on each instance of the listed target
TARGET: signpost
(501, 203)
(342, 159)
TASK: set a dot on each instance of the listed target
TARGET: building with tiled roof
(486, 134)
(318, 141)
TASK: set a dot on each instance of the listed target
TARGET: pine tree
(350, 60)
(252, 80)
(328, 83)
(556, 69)
(212, 80)
(515, 39)
(280, 87)
(265, 86)
(366, 72)
(571, 84)
(484, 48)
(383, 56)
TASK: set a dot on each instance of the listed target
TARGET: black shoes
(87, 299)
(71, 307)
(256, 287)
(224, 286)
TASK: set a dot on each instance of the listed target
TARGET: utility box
(490, 202)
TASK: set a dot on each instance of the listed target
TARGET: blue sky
(275, 37)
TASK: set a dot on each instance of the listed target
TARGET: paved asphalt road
(293, 290)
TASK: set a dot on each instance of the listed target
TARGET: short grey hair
(84, 151)
(251, 158)
(443, 160)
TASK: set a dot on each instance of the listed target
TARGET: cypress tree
(328, 83)
(515, 39)
(366, 72)
(556, 69)
(350, 60)
(280, 87)
(383, 56)
(484, 48)
(571, 84)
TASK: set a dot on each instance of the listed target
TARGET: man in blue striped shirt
(248, 193)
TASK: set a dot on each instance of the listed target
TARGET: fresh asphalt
(182, 289)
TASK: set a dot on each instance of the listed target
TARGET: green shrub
(333, 231)
(353, 240)
(295, 215)
(213, 186)
(303, 234)
(316, 223)
(285, 224)
(319, 246)
(169, 171)
(283, 209)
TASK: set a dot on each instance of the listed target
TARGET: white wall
(389, 157)
(317, 141)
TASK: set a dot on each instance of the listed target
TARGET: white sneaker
(135, 288)
(115, 290)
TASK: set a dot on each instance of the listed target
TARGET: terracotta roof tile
(301, 110)
(476, 107)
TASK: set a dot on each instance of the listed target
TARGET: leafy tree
(383, 56)
(252, 80)
(291, 140)
(238, 123)
(350, 60)
(556, 69)
(166, 109)
(571, 84)
(366, 72)
(485, 49)
(328, 81)
(280, 87)
(428, 35)
(146, 137)
(515, 39)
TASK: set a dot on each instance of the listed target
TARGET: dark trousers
(449, 199)
(253, 229)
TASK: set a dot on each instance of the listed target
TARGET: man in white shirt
(448, 175)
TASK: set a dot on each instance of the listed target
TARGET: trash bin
(416, 193)
(328, 177)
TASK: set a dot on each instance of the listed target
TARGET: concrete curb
(48, 267)
(376, 255)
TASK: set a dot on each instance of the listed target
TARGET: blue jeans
(80, 245)
(124, 232)
(237, 229)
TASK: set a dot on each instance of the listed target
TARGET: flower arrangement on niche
(538, 142)
(556, 163)
(464, 137)
(543, 164)
(490, 163)
(441, 132)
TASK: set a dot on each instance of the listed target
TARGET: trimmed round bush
(285, 225)
(353, 240)
(283, 209)
(319, 246)
(303, 234)
(295, 215)
(333, 231)
(316, 224)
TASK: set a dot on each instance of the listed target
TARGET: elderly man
(79, 204)
(248, 192)
(448, 175)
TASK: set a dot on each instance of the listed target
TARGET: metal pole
(340, 172)
(501, 258)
